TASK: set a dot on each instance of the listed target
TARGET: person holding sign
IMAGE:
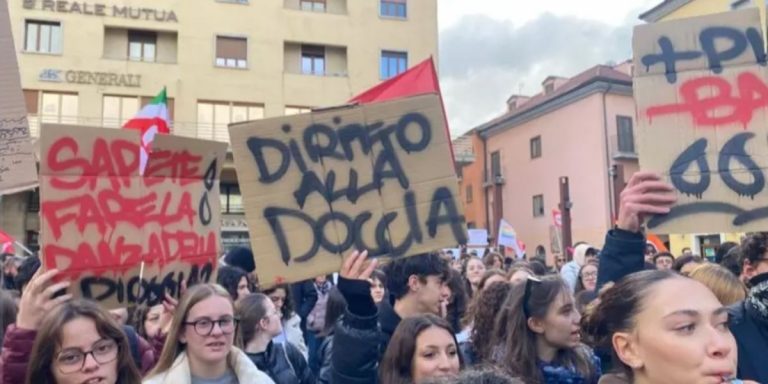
(199, 346)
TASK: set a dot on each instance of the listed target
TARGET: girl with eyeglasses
(537, 335)
(199, 346)
(260, 323)
(79, 342)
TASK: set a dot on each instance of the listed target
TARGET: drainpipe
(485, 190)
(609, 167)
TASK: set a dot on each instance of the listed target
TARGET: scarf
(757, 301)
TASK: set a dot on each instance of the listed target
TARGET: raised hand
(646, 194)
(356, 266)
(37, 299)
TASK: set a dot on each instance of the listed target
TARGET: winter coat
(304, 299)
(292, 334)
(17, 349)
(284, 364)
(358, 340)
(245, 370)
(751, 333)
(324, 353)
(622, 254)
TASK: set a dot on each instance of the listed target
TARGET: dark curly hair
(287, 309)
(483, 314)
(459, 300)
(229, 278)
(754, 248)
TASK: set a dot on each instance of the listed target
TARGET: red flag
(419, 80)
(6, 243)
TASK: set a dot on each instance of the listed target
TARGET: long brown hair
(517, 342)
(40, 367)
(251, 310)
(173, 347)
(397, 362)
(483, 318)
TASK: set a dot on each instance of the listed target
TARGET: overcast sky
(490, 49)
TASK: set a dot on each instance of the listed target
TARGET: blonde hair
(173, 347)
(722, 282)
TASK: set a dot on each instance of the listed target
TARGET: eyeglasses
(204, 327)
(589, 274)
(73, 360)
(529, 282)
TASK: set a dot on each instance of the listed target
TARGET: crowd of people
(618, 313)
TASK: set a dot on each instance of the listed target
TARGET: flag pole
(24, 248)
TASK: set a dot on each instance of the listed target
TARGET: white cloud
(490, 49)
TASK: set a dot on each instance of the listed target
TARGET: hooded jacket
(749, 325)
(245, 370)
(283, 363)
(570, 271)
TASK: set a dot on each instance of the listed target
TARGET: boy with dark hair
(416, 286)
(663, 261)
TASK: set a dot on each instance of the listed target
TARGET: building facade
(221, 61)
(580, 128)
(704, 244)
(470, 168)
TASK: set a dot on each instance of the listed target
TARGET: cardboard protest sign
(121, 238)
(316, 186)
(701, 94)
(18, 170)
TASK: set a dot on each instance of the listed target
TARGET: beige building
(222, 61)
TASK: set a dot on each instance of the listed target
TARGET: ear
(626, 349)
(747, 270)
(263, 323)
(414, 284)
(536, 325)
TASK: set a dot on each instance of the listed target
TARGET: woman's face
(271, 323)
(560, 326)
(475, 270)
(278, 298)
(243, 289)
(519, 277)
(498, 263)
(210, 339)
(377, 290)
(679, 340)
(69, 366)
(589, 277)
(436, 355)
(152, 321)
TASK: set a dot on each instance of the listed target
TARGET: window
(33, 201)
(394, 8)
(392, 64)
(142, 46)
(231, 52)
(625, 132)
(117, 110)
(536, 147)
(289, 110)
(313, 60)
(33, 241)
(313, 5)
(213, 117)
(59, 108)
(43, 37)
(468, 194)
(495, 165)
(231, 199)
(538, 205)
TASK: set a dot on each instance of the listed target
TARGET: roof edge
(661, 10)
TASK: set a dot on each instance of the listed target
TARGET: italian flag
(151, 120)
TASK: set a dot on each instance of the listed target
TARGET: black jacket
(622, 254)
(324, 359)
(304, 299)
(751, 333)
(284, 363)
(358, 340)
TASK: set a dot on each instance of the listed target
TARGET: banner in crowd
(477, 237)
(701, 94)
(316, 186)
(121, 238)
(18, 170)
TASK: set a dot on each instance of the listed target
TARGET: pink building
(580, 128)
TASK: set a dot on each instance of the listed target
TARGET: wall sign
(107, 79)
(96, 9)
